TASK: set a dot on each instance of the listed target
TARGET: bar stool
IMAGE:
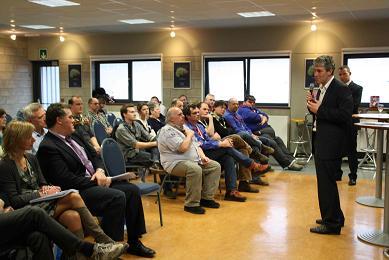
(300, 142)
(368, 162)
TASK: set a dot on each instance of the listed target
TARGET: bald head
(233, 104)
(175, 116)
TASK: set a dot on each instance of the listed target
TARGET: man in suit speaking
(332, 107)
(356, 91)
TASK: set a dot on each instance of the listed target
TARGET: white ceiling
(101, 16)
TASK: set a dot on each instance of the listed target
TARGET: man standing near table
(332, 107)
(356, 91)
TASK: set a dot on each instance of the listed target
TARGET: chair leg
(160, 208)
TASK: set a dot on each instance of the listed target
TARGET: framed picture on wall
(309, 77)
(74, 71)
(181, 74)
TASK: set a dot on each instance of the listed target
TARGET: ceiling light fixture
(172, 33)
(54, 3)
(61, 38)
(12, 25)
(256, 14)
(37, 26)
(13, 37)
(136, 21)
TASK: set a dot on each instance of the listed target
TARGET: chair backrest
(117, 122)
(112, 157)
(111, 118)
(99, 131)
(8, 118)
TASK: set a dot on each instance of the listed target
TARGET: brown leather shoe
(234, 195)
(258, 169)
(259, 181)
(244, 186)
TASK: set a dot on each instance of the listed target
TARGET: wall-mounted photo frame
(309, 77)
(74, 72)
(181, 74)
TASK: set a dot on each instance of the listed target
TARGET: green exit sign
(43, 54)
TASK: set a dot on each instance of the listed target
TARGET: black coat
(62, 167)
(356, 92)
(333, 122)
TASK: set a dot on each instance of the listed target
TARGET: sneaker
(294, 166)
(234, 195)
(244, 186)
(194, 210)
(108, 251)
(267, 150)
(209, 204)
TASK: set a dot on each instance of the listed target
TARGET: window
(129, 80)
(267, 78)
(46, 82)
(370, 70)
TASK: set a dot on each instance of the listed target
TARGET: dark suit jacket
(10, 181)
(62, 167)
(356, 92)
(333, 122)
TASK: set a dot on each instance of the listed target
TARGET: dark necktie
(318, 94)
(81, 155)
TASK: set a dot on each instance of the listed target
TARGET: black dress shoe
(259, 181)
(194, 210)
(244, 186)
(320, 222)
(139, 249)
(352, 182)
(170, 194)
(209, 204)
(324, 230)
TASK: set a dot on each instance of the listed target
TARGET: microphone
(311, 87)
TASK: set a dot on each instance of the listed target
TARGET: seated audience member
(21, 180)
(144, 114)
(177, 103)
(34, 228)
(184, 99)
(238, 143)
(182, 156)
(237, 123)
(257, 121)
(154, 120)
(95, 115)
(102, 102)
(222, 152)
(210, 100)
(81, 123)
(67, 161)
(136, 144)
(3, 123)
(36, 115)
(155, 100)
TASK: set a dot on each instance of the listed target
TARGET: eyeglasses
(195, 113)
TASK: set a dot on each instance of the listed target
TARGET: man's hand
(264, 120)
(97, 149)
(204, 160)
(108, 130)
(101, 179)
(226, 143)
(313, 106)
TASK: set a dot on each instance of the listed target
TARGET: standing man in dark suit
(333, 110)
(356, 91)
(67, 161)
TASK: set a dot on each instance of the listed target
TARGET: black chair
(8, 118)
(114, 163)
(117, 122)
(99, 131)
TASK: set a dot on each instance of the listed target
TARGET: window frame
(246, 57)
(370, 53)
(96, 61)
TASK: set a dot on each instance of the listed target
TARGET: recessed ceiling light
(256, 14)
(37, 26)
(136, 21)
(54, 3)
(12, 25)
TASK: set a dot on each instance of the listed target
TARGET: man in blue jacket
(257, 121)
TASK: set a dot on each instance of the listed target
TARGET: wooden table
(379, 237)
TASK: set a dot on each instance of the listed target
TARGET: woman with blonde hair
(22, 180)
